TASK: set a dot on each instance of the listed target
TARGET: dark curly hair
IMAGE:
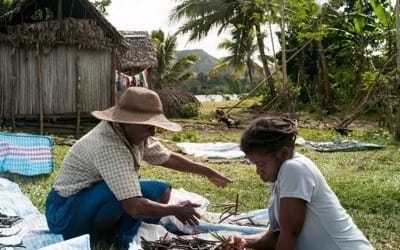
(268, 135)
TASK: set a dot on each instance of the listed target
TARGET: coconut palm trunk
(249, 65)
(264, 61)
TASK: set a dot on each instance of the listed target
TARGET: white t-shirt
(327, 225)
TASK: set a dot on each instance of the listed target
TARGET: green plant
(189, 110)
(187, 135)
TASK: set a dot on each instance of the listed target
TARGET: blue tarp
(340, 145)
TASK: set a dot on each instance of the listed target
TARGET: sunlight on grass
(207, 109)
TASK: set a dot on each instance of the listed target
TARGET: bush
(187, 135)
(189, 110)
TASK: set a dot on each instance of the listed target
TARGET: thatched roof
(174, 102)
(33, 18)
(140, 54)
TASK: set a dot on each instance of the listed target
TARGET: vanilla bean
(180, 243)
(7, 221)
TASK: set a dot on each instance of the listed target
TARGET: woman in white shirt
(304, 212)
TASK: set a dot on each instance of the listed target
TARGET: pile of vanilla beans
(165, 242)
(180, 243)
(7, 221)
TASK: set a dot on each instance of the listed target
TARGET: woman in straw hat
(98, 188)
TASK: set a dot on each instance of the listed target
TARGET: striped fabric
(26, 154)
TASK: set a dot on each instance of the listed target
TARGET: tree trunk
(320, 88)
(360, 68)
(156, 81)
(397, 83)
(59, 10)
(264, 61)
(327, 101)
(360, 92)
(302, 81)
(285, 86)
(271, 34)
(250, 70)
(287, 95)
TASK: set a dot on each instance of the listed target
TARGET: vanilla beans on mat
(180, 243)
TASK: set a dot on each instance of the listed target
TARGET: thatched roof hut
(57, 59)
(140, 54)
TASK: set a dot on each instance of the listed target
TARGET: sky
(148, 15)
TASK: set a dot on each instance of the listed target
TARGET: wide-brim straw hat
(138, 105)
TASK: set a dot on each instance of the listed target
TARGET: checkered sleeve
(154, 152)
(116, 166)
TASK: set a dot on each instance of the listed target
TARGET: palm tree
(101, 5)
(244, 17)
(170, 71)
(240, 58)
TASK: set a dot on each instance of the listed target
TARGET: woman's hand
(233, 243)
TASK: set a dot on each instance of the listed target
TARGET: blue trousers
(78, 214)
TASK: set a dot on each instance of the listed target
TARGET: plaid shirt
(105, 154)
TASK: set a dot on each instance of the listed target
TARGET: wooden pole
(78, 96)
(2, 104)
(285, 84)
(113, 69)
(13, 93)
(59, 10)
(40, 86)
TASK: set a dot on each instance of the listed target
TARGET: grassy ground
(366, 182)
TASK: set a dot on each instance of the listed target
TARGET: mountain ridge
(205, 62)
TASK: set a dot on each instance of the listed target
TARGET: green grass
(366, 182)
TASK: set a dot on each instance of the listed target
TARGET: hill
(205, 61)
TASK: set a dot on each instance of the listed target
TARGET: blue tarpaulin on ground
(341, 145)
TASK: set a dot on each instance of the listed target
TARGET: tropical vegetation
(339, 56)
(171, 71)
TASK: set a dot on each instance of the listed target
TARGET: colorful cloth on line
(26, 154)
(340, 145)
